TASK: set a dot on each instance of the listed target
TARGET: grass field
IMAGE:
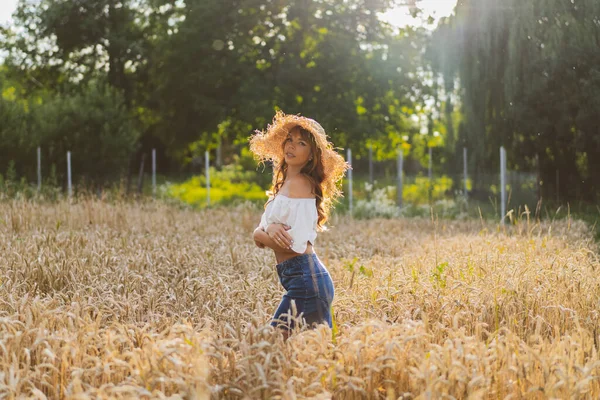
(149, 301)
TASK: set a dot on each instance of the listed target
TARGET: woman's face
(297, 150)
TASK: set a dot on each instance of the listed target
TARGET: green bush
(231, 185)
(16, 142)
(418, 193)
(94, 125)
(381, 203)
(13, 187)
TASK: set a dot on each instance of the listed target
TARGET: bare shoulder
(301, 187)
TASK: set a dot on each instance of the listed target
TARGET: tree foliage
(196, 73)
(189, 75)
(528, 73)
(94, 125)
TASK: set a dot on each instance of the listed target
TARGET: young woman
(306, 172)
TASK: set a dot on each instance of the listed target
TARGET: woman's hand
(278, 233)
(262, 240)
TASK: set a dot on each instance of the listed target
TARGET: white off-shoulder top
(298, 213)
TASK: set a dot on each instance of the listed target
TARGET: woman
(306, 172)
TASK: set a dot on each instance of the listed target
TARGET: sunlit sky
(399, 16)
(7, 7)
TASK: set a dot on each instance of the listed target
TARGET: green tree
(528, 74)
(197, 72)
(15, 137)
(94, 125)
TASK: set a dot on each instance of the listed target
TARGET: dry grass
(146, 301)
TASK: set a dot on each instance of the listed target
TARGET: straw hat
(268, 146)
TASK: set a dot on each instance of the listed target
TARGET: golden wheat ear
(147, 300)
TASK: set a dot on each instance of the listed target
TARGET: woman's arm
(274, 236)
(262, 237)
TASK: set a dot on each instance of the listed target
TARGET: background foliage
(111, 80)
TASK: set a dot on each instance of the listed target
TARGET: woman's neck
(293, 172)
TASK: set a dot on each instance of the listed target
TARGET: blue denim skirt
(309, 292)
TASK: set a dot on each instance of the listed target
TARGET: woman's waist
(306, 264)
(283, 257)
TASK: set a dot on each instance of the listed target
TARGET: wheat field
(144, 300)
